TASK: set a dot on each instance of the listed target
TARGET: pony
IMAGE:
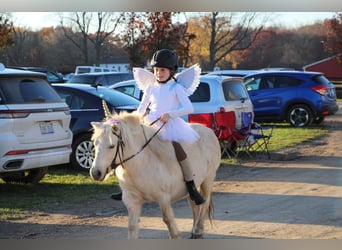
(148, 171)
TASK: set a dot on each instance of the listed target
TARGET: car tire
(32, 176)
(299, 116)
(83, 151)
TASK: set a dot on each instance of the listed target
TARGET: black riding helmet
(165, 58)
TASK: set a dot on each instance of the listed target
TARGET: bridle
(120, 147)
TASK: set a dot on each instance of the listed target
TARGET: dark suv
(100, 78)
(51, 75)
(298, 97)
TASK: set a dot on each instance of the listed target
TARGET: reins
(121, 144)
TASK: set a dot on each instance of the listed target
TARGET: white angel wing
(143, 78)
(189, 78)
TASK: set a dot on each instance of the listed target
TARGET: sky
(37, 20)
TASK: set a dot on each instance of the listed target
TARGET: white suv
(34, 126)
(213, 92)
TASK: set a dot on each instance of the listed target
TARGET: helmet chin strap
(165, 80)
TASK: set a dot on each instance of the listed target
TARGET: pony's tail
(210, 210)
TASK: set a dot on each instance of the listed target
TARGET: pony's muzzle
(96, 174)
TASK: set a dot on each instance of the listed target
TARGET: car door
(265, 97)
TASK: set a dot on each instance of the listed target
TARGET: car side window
(201, 94)
(285, 82)
(252, 84)
(266, 82)
(72, 100)
(129, 90)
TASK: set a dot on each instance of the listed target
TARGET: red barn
(329, 67)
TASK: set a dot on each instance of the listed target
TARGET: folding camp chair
(225, 125)
(243, 136)
(205, 119)
(261, 136)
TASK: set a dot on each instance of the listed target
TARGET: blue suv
(300, 98)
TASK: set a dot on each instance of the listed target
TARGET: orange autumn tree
(333, 41)
(6, 32)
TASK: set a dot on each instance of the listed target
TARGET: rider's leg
(188, 174)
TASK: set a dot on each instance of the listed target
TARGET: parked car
(298, 97)
(214, 92)
(34, 126)
(100, 78)
(52, 76)
(128, 87)
(85, 102)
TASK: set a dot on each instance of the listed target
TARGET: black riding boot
(117, 196)
(194, 194)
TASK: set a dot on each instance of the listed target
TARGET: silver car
(212, 94)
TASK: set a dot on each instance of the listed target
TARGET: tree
(82, 27)
(227, 37)
(151, 31)
(333, 42)
(6, 32)
(288, 48)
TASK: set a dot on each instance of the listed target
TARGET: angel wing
(143, 78)
(189, 78)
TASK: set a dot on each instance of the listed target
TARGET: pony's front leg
(169, 220)
(134, 212)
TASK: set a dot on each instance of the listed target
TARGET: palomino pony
(148, 171)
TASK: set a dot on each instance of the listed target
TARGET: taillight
(67, 111)
(10, 114)
(322, 90)
(17, 152)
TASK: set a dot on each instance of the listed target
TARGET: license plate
(46, 128)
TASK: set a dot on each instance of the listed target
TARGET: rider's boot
(187, 174)
(190, 184)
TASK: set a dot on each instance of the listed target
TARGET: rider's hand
(165, 117)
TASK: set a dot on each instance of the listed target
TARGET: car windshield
(115, 97)
(20, 90)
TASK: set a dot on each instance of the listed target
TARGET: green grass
(66, 187)
(62, 186)
(286, 136)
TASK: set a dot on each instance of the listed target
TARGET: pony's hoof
(196, 236)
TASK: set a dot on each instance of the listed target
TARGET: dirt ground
(297, 194)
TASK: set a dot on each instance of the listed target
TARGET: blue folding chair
(243, 135)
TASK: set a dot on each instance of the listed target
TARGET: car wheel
(32, 176)
(83, 152)
(318, 120)
(299, 116)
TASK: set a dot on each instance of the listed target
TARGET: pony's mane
(134, 129)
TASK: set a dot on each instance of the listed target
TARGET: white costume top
(170, 97)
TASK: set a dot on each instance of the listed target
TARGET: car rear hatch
(236, 98)
(327, 91)
(38, 123)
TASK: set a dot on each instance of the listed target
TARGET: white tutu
(176, 129)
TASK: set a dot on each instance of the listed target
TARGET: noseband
(120, 147)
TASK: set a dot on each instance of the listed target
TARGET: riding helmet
(165, 58)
